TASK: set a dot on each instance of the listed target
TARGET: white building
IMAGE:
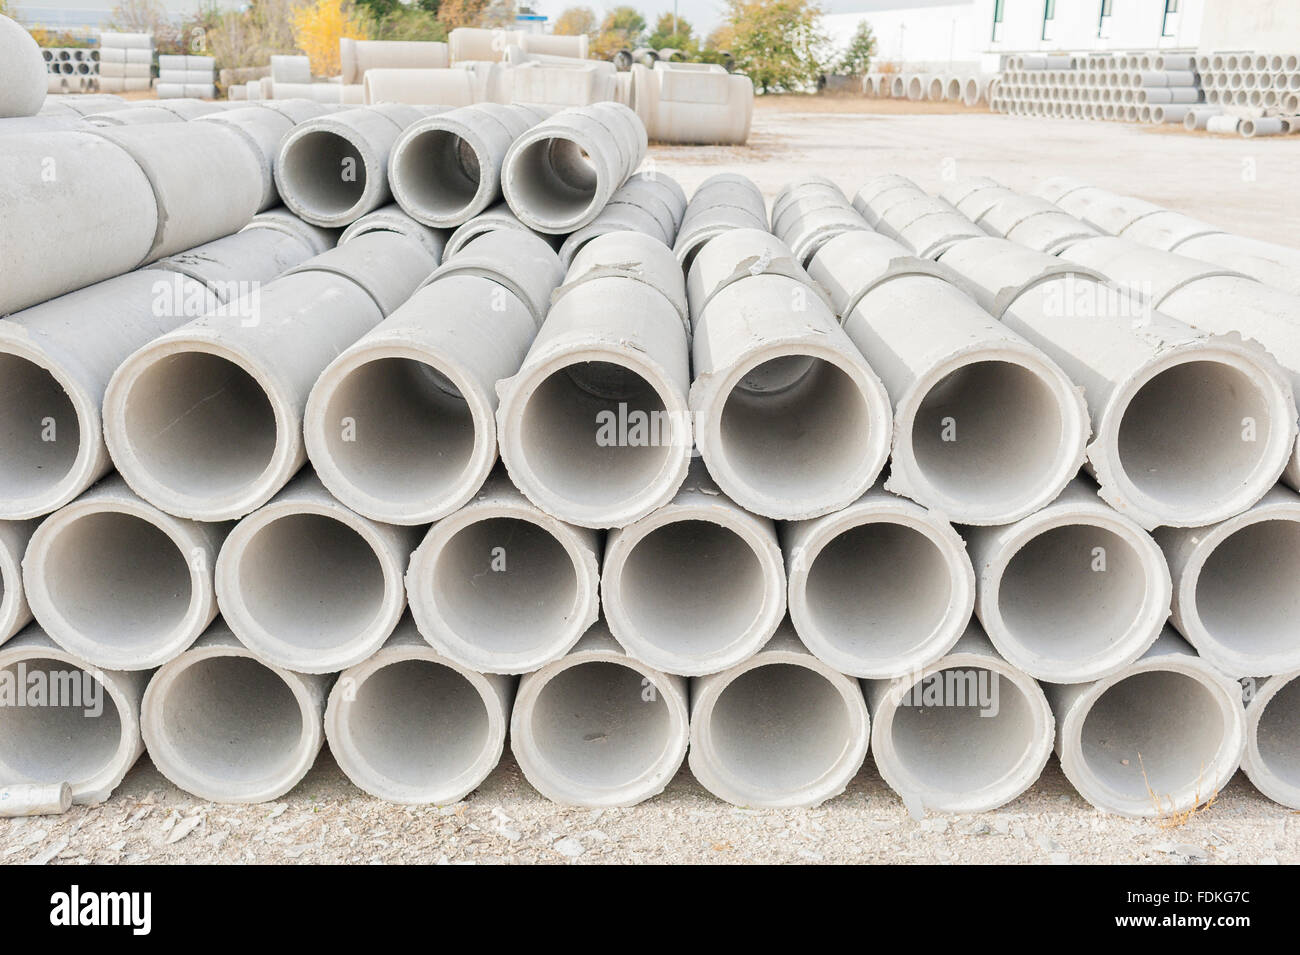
(975, 33)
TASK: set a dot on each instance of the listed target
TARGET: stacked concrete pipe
(899, 209)
(598, 692)
(723, 202)
(391, 218)
(648, 202)
(808, 213)
(22, 71)
(225, 726)
(1272, 725)
(1167, 401)
(494, 219)
(15, 613)
(1006, 214)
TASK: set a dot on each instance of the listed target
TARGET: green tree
(575, 21)
(856, 59)
(777, 43)
(622, 28)
(682, 38)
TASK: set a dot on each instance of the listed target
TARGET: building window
(997, 20)
(1049, 14)
(1171, 18)
(1103, 20)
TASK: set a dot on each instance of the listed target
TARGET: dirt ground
(1247, 185)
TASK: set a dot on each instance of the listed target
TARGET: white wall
(1261, 26)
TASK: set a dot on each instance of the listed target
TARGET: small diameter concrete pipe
(309, 585)
(14, 610)
(499, 218)
(696, 587)
(1189, 428)
(632, 255)
(519, 260)
(22, 71)
(1235, 594)
(223, 725)
(650, 203)
(967, 733)
(282, 220)
(333, 169)
(391, 218)
(921, 595)
(1162, 736)
(597, 693)
(51, 179)
(777, 379)
(987, 429)
(263, 129)
(722, 202)
(119, 583)
(401, 427)
(236, 265)
(559, 174)
(1072, 593)
(595, 428)
(780, 730)
(446, 169)
(206, 422)
(740, 254)
(409, 726)
(84, 729)
(56, 359)
(1272, 756)
(502, 587)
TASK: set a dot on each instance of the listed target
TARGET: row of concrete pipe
(240, 608)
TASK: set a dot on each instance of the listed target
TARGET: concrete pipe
(622, 60)
(333, 169)
(1234, 586)
(1223, 124)
(1271, 758)
(238, 264)
(598, 692)
(743, 253)
(401, 426)
(14, 610)
(446, 88)
(975, 90)
(263, 129)
(52, 431)
(1072, 593)
(1162, 736)
(727, 206)
(359, 57)
(409, 726)
(649, 202)
(281, 219)
(696, 587)
(1262, 126)
(922, 588)
(777, 378)
(631, 255)
(225, 726)
(499, 586)
(446, 169)
(391, 218)
(310, 585)
(987, 428)
(22, 71)
(520, 261)
(45, 250)
(1267, 262)
(780, 730)
(559, 174)
(603, 390)
(118, 582)
(1168, 403)
(495, 219)
(139, 116)
(291, 69)
(88, 738)
(967, 733)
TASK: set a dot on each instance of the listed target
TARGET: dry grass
(1166, 816)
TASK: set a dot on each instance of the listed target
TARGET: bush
(777, 43)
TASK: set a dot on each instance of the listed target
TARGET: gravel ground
(1248, 185)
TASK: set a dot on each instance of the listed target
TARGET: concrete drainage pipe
(780, 730)
(14, 610)
(118, 582)
(498, 218)
(968, 733)
(1162, 736)
(723, 202)
(391, 218)
(501, 587)
(597, 692)
(409, 726)
(519, 261)
(920, 599)
(222, 725)
(696, 587)
(22, 71)
(1272, 756)
(89, 740)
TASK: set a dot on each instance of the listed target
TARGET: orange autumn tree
(318, 25)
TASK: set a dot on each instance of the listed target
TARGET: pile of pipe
(1253, 94)
(71, 69)
(419, 432)
(186, 76)
(970, 88)
(125, 62)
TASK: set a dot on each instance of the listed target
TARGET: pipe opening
(505, 585)
(231, 719)
(325, 173)
(804, 412)
(1072, 592)
(593, 726)
(1246, 593)
(199, 424)
(990, 433)
(57, 743)
(555, 180)
(439, 173)
(1278, 734)
(1154, 732)
(596, 432)
(39, 431)
(412, 436)
(780, 726)
(878, 590)
(952, 746)
(310, 581)
(418, 723)
(692, 587)
(1183, 437)
(117, 580)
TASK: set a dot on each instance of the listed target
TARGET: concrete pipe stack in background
(125, 62)
(186, 76)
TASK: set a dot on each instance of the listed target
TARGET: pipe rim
(313, 209)
(463, 134)
(1257, 768)
(603, 188)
